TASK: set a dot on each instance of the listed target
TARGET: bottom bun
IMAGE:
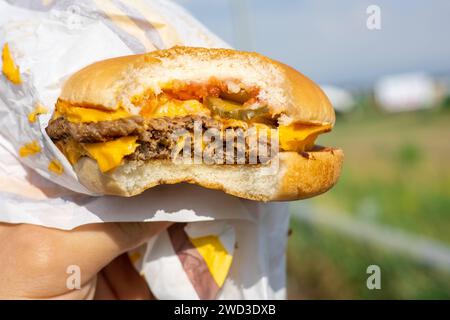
(295, 177)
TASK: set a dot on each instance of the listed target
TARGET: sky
(328, 40)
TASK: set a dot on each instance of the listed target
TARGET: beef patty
(158, 137)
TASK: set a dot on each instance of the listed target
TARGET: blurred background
(390, 87)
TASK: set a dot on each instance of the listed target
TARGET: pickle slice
(240, 97)
(233, 110)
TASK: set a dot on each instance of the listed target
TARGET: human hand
(34, 260)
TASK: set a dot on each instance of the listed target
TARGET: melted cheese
(298, 137)
(109, 155)
(9, 68)
(295, 137)
(165, 108)
(80, 114)
(180, 108)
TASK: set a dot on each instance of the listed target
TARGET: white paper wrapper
(49, 40)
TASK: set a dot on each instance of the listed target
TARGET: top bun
(112, 83)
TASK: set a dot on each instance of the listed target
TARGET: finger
(125, 281)
(41, 257)
(104, 290)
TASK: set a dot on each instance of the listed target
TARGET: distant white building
(405, 92)
(341, 99)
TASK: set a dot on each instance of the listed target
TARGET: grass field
(323, 264)
(397, 174)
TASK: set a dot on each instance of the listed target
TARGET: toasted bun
(296, 176)
(112, 83)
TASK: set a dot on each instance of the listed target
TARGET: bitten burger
(118, 121)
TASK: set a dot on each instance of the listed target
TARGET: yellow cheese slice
(180, 108)
(215, 255)
(297, 137)
(169, 108)
(80, 114)
(109, 154)
(9, 68)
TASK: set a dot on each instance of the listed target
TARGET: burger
(222, 119)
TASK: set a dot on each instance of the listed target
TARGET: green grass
(326, 265)
(396, 173)
(399, 165)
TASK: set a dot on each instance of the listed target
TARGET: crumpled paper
(50, 40)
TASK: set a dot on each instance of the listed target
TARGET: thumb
(99, 244)
(40, 256)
